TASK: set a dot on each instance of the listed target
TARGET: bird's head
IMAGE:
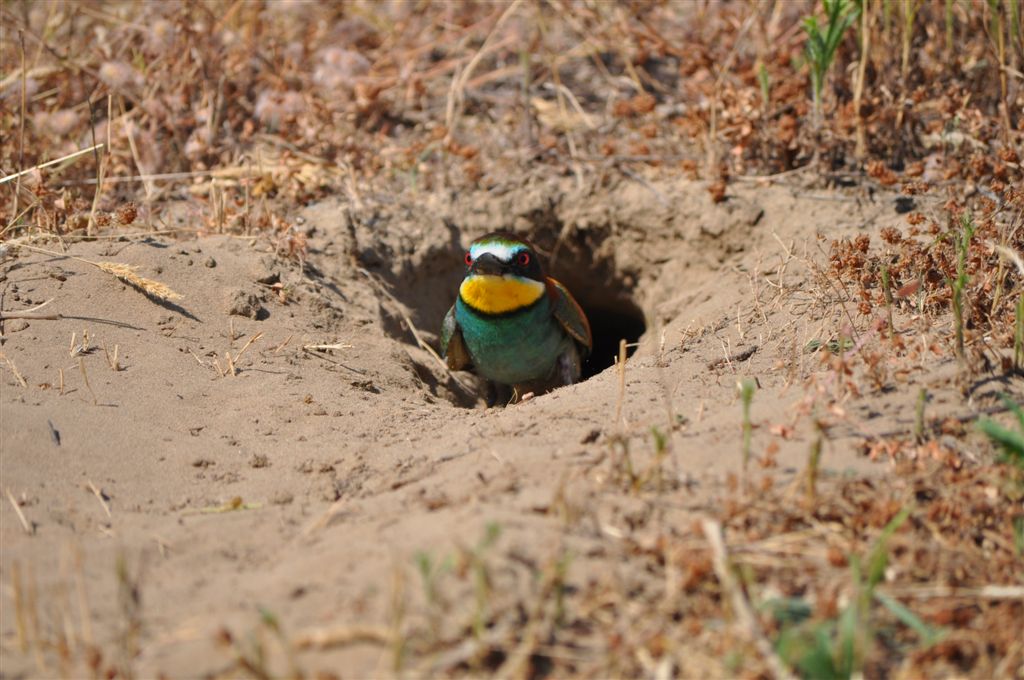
(502, 254)
(503, 274)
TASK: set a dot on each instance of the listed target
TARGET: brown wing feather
(453, 345)
(570, 314)
(458, 356)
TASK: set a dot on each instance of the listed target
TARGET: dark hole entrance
(610, 324)
(608, 303)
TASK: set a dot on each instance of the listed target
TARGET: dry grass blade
(55, 161)
(232, 360)
(101, 166)
(229, 173)
(284, 344)
(745, 616)
(989, 592)
(21, 516)
(323, 520)
(85, 377)
(339, 636)
(31, 313)
(457, 94)
(337, 345)
(112, 360)
(621, 359)
(99, 496)
(146, 183)
(247, 344)
(14, 370)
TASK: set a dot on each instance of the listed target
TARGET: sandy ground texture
(275, 473)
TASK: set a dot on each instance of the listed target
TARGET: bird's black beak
(488, 264)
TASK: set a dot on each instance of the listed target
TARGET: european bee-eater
(516, 327)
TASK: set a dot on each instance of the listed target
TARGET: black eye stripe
(514, 260)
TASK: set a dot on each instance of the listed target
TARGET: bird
(514, 326)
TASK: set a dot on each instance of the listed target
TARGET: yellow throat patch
(498, 294)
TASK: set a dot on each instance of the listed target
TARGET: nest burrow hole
(605, 293)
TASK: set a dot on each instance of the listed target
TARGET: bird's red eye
(469, 259)
(523, 259)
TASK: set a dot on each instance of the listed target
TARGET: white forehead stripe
(503, 251)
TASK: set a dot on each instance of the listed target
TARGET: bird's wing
(569, 313)
(453, 347)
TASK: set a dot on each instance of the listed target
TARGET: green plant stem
(764, 81)
(960, 284)
(949, 27)
(1014, 28)
(1011, 441)
(909, 14)
(997, 294)
(747, 388)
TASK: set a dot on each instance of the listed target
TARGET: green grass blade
(1011, 442)
(846, 645)
(929, 635)
(1015, 408)
(879, 554)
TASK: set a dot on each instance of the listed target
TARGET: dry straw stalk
(125, 272)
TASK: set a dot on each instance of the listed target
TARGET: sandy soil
(171, 502)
